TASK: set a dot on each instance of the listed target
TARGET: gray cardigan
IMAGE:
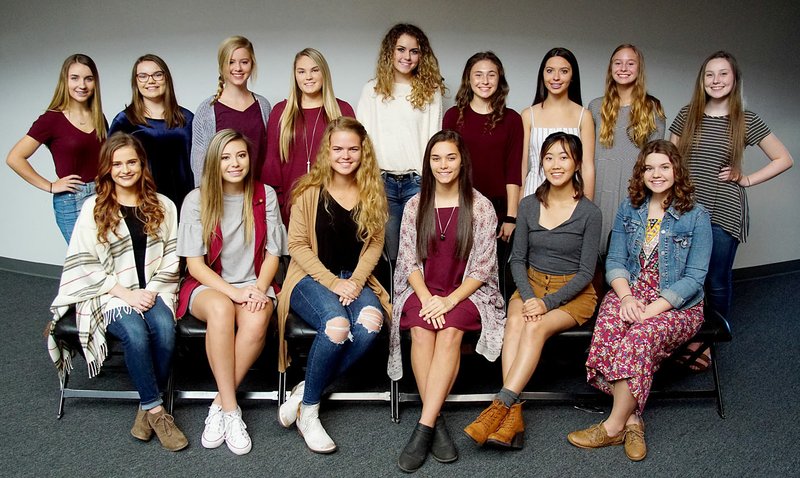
(204, 128)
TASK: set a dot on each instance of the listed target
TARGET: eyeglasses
(144, 77)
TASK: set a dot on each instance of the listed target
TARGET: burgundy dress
(444, 273)
(622, 350)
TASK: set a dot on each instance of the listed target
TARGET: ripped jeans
(344, 333)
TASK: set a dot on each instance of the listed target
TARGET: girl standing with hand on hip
(715, 159)
(74, 129)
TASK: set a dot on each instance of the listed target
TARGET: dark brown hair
(136, 111)
(573, 146)
(426, 215)
(498, 99)
(681, 196)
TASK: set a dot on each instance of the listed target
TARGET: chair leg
(717, 387)
(281, 388)
(169, 393)
(61, 397)
(395, 401)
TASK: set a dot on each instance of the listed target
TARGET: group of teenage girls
(540, 190)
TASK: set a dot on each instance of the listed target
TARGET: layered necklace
(313, 135)
(443, 230)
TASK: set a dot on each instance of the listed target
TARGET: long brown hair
(426, 216)
(690, 136)
(681, 196)
(573, 146)
(644, 108)
(498, 99)
(211, 196)
(371, 211)
(574, 88)
(136, 111)
(106, 208)
(427, 78)
(61, 98)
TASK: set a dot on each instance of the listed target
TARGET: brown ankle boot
(511, 433)
(167, 432)
(141, 427)
(487, 422)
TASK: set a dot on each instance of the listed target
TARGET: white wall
(35, 37)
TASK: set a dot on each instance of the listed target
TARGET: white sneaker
(236, 436)
(287, 413)
(310, 428)
(214, 432)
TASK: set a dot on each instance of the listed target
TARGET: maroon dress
(443, 273)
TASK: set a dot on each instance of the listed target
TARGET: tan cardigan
(305, 261)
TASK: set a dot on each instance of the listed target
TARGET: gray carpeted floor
(686, 438)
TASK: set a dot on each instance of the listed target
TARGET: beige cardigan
(303, 249)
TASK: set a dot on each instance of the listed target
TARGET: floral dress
(622, 350)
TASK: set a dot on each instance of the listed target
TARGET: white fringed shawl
(92, 269)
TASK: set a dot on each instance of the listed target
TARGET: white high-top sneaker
(310, 428)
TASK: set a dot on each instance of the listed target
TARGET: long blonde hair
(371, 212)
(211, 197)
(294, 109)
(224, 54)
(690, 136)
(644, 108)
(61, 98)
(426, 78)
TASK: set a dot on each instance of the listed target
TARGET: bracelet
(510, 219)
(51, 188)
(748, 181)
(624, 296)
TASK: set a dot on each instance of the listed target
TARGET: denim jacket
(684, 250)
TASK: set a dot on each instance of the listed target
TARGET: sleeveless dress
(535, 176)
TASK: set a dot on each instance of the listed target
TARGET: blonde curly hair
(426, 77)
(372, 211)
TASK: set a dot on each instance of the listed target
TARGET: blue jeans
(398, 192)
(148, 344)
(327, 359)
(719, 281)
(67, 206)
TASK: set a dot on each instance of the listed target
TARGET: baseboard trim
(767, 270)
(37, 269)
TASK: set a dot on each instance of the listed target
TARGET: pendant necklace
(313, 134)
(442, 230)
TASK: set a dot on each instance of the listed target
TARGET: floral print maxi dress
(622, 350)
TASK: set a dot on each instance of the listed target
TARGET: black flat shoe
(442, 447)
(416, 450)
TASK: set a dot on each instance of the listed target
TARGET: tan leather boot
(635, 447)
(511, 433)
(487, 422)
(141, 427)
(170, 436)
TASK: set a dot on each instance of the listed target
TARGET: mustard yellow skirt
(581, 307)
